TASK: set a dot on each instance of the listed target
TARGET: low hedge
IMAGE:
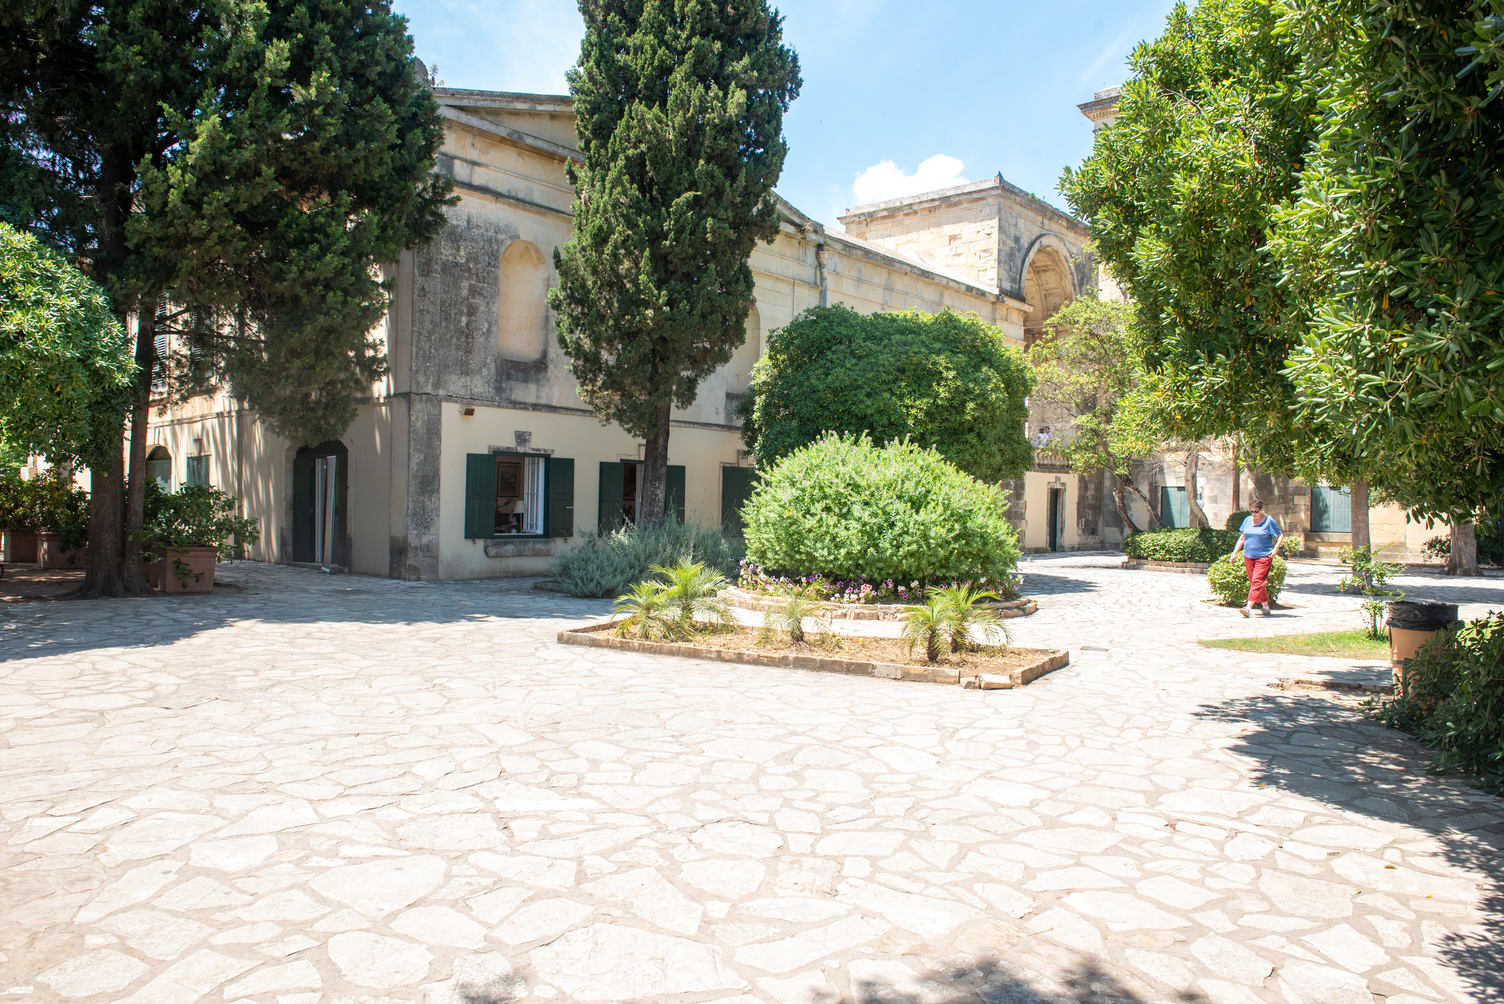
(1452, 698)
(1181, 544)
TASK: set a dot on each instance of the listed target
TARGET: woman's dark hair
(1256, 504)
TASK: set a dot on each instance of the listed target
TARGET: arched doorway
(320, 504)
(159, 467)
(1047, 287)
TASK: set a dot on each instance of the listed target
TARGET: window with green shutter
(510, 494)
(618, 493)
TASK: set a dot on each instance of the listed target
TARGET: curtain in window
(532, 495)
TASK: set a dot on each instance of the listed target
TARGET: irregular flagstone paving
(357, 791)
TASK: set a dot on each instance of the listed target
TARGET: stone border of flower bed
(592, 636)
(1188, 567)
(746, 600)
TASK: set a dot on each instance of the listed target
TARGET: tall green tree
(65, 362)
(1089, 365)
(679, 111)
(944, 380)
(1395, 239)
(247, 162)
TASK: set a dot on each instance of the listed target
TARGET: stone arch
(159, 466)
(522, 313)
(1048, 283)
(739, 370)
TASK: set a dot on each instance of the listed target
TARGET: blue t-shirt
(1259, 539)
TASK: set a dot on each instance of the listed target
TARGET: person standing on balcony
(1042, 439)
(1259, 540)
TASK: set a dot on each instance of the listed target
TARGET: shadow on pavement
(1318, 749)
(1044, 584)
(274, 594)
(989, 980)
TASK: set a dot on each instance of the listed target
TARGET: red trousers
(1258, 576)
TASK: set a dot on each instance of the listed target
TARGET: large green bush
(1452, 698)
(1185, 544)
(945, 380)
(195, 516)
(607, 564)
(843, 507)
(50, 502)
(1235, 521)
(1229, 579)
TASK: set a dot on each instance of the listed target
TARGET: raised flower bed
(864, 610)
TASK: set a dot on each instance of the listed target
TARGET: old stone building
(476, 457)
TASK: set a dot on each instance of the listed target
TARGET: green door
(736, 489)
(1331, 510)
(1174, 507)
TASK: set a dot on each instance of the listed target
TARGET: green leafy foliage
(609, 563)
(1393, 240)
(1367, 576)
(969, 614)
(792, 605)
(929, 624)
(50, 502)
(1089, 364)
(1183, 544)
(679, 112)
(1228, 578)
(693, 591)
(65, 362)
(645, 611)
(1490, 536)
(945, 380)
(1235, 521)
(844, 507)
(196, 516)
(1451, 697)
(1180, 193)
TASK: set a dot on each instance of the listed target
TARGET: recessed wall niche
(522, 319)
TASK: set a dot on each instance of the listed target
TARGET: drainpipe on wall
(820, 268)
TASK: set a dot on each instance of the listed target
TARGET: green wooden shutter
(673, 496)
(736, 489)
(480, 495)
(560, 497)
(302, 507)
(610, 497)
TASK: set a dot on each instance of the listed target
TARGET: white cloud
(886, 180)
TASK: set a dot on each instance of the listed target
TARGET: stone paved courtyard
(358, 791)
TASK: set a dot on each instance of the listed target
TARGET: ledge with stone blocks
(1189, 567)
(595, 636)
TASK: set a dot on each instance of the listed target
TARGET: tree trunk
(135, 491)
(1464, 557)
(1192, 475)
(652, 493)
(1122, 503)
(1127, 481)
(1237, 475)
(102, 559)
(1358, 501)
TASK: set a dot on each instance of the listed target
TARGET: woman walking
(1259, 540)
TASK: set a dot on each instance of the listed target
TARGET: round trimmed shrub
(1235, 521)
(844, 508)
(1229, 580)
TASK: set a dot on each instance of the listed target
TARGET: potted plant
(63, 515)
(189, 530)
(18, 519)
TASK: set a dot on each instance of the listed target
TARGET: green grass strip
(1332, 644)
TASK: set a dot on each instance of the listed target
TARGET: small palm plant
(968, 615)
(930, 623)
(692, 591)
(794, 604)
(649, 612)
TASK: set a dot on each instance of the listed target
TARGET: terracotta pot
(19, 546)
(188, 570)
(50, 553)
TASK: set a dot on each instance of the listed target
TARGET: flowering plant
(755, 578)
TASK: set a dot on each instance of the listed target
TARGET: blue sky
(898, 97)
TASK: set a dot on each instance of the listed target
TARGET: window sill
(516, 545)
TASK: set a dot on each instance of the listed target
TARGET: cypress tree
(679, 110)
(248, 162)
